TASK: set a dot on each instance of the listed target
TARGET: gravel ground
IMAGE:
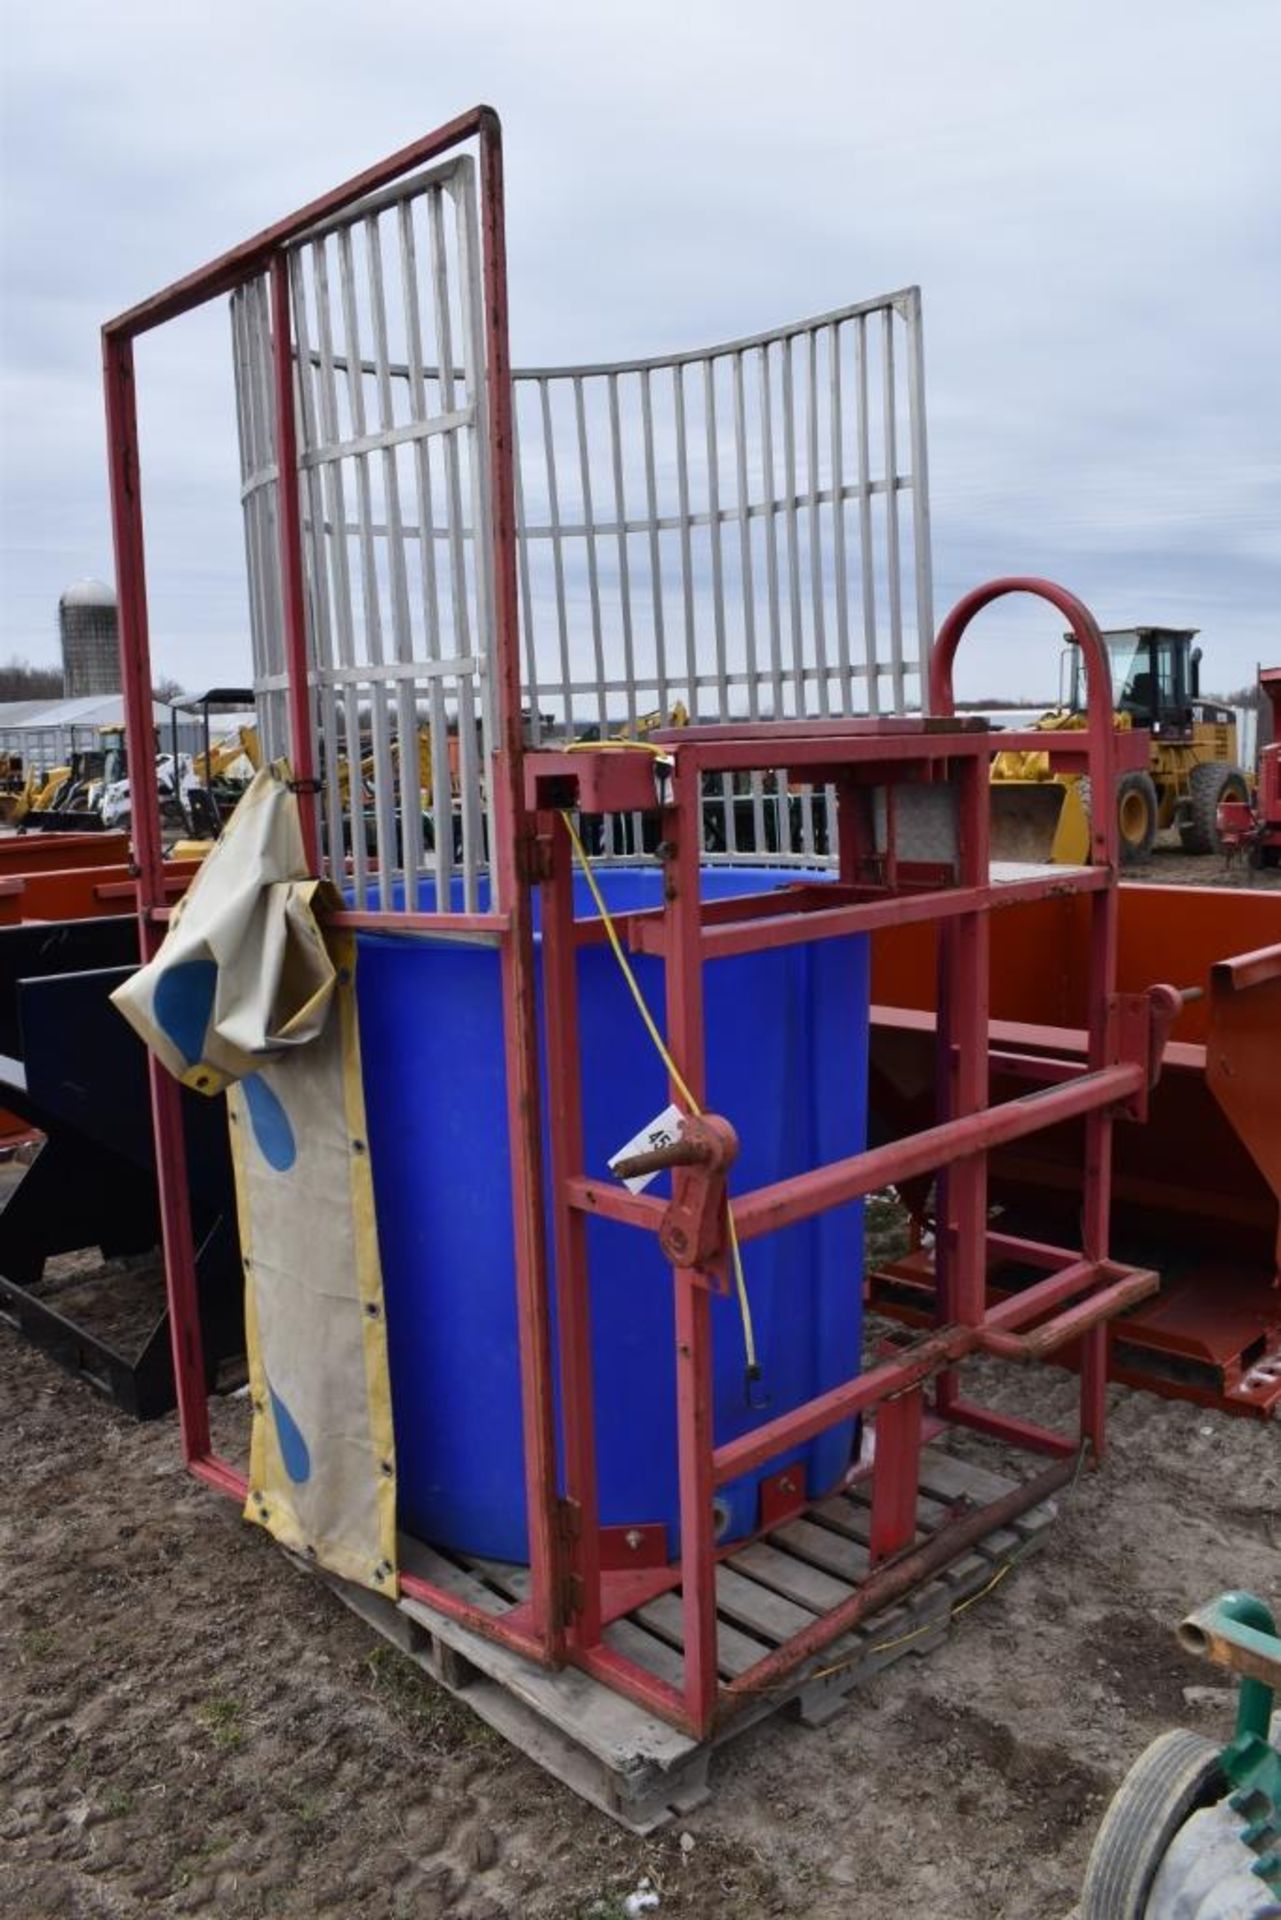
(1169, 866)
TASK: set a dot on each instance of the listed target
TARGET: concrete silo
(87, 623)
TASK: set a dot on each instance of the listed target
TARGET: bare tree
(19, 680)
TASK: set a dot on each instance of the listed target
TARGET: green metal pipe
(1238, 1631)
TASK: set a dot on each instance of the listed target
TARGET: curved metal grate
(740, 532)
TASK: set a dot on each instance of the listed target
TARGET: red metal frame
(512, 929)
(573, 1592)
(1080, 1291)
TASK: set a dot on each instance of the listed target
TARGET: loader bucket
(1040, 821)
(1197, 1190)
(1245, 1017)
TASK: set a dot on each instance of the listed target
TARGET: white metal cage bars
(390, 397)
(725, 532)
(741, 532)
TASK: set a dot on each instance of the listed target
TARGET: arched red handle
(1098, 683)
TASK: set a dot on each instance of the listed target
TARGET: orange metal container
(1197, 1189)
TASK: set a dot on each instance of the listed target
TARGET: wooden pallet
(625, 1760)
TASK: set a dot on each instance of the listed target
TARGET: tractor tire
(1207, 785)
(1178, 1773)
(1136, 816)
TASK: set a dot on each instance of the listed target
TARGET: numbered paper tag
(660, 1132)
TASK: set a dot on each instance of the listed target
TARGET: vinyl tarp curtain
(252, 993)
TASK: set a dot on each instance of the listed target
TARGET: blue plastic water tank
(787, 1064)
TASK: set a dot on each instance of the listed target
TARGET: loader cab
(114, 764)
(1155, 678)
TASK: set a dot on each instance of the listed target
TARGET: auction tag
(660, 1132)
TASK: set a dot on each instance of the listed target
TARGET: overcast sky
(1087, 194)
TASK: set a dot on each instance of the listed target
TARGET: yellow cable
(1003, 1567)
(678, 1081)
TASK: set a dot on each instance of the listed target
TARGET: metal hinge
(534, 859)
(569, 1585)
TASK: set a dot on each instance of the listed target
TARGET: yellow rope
(677, 1078)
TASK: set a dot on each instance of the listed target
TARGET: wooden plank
(735, 1651)
(1001, 1544)
(795, 1579)
(510, 1580)
(847, 1514)
(852, 1513)
(417, 1559)
(961, 1573)
(647, 1650)
(614, 1730)
(766, 1614)
(948, 1478)
(848, 1559)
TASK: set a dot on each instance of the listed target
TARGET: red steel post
(510, 867)
(231, 270)
(694, 1392)
(166, 1095)
(896, 1473)
(569, 1229)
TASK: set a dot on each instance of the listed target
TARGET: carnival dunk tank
(615, 914)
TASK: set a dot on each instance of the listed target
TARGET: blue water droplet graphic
(183, 1002)
(293, 1448)
(270, 1123)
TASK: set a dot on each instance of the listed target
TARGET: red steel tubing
(1085, 1317)
(573, 1297)
(1102, 761)
(896, 1475)
(766, 1209)
(166, 1096)
(490, 1626)
(221, 1475)
(232, 269)
(695, 1438)
(513, 832)
(266, 253)
(1009, 1429)
(915, 1363)
(754, 933)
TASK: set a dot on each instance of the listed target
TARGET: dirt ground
(1168, 865)
(190, 1725)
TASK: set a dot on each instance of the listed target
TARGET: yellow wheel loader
(1191, 762)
